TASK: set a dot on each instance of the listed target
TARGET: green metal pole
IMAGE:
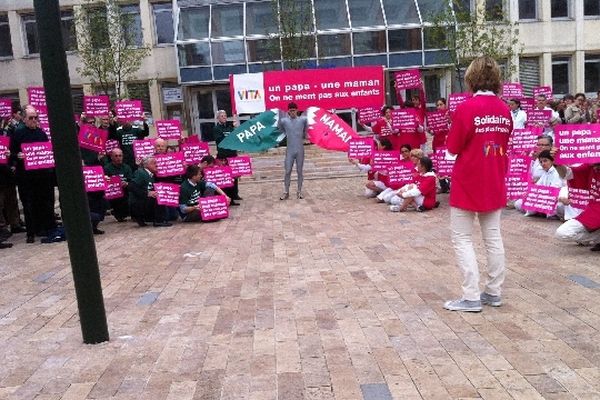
(73, 199)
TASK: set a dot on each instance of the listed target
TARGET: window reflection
(430, 8)
(260, 19)
(369, 42)
(228, 52)
(227, 20)
(365, 12)
(193, 23)
(404, 39)
(331, 14)
(334, 45)
(401, 12)
(194, 54)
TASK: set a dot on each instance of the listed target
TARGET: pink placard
(579, 198)
(408, 79)
(516, 186)
(400, 174)
(93, 179)
(169, 129)
(111, 145)
(143, 148)
(4, 149)
(96, 106)
(38, 155)
(384, 158)
(523, 141)
(167, 194)
(114, 188)
(5, 108)
(527, 104)
(512, 90)
(539, 117)
(543, 90)
(577, 143)
(92, 138)
(213, 207)
(194, 151)
(518, 165)
(170, 164)
(369, 114)
(542, 199)
(37, 96)
(361, 148)
(455, 99)
(129, 110)
(404, 120)
(43, 119)
(327, 130)
(437, 121)
(443, 162)
(240, 166)
(220, 176)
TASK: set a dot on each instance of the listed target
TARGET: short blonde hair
(418, 153)
(483, 74)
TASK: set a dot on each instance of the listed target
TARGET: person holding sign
(221, 131)
(519, 116)
(125, 135)
(116, 167)
(541, 103)
(383, 127)
(420, 194)
(142, 196)
(479, 137)
(294, 128)
(192, 188)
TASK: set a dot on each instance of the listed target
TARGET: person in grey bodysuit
(294, 128)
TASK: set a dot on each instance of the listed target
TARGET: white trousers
(574, 231)
(461, 224)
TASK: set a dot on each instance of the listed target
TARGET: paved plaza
(330, 297)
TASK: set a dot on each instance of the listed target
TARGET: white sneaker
(394, 208)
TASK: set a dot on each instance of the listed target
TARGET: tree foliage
(467, 35)
(295, 22)
(107, 48)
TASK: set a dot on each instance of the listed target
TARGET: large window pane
(591, 8)
(223, 100)
(365, 13)
(334, 45)
(31, 34)
(494, 10)
(163, 22)
(527, 9)
(560, 75)
(404, 40)
(592, 74)
(67, 26)
(401, 12)
(5, 46)
(193, 23)
(559, 8)
(260, 19)
(227, 20)
(132, 25)
(298, 47)
(369, 42)
(228, 52)
(263, 50)
(430, 8)
(331, 14)
(194, 54)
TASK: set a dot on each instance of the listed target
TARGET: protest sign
(114, 188)
(443, 162)
(170, 164)
(143, 148)
(369, 114)
(523, 141)
(110, 145)
(129, 110)
(256, 135)
(539, 117)
(92, 138)
(542, 199)
(400, 174)
(169, 129)
(518, 164)
(43, 120)
(328, 130)
(577, 143)
(516, 185)
(93, 179)
(193, 151)
(167, 194)
(437, 121)
(37, 96)
(579, 198)
(543, 90)
(361, 148)
(455, 99)
(240, 166)
(38, 155)
(404, 120)
(5, 108)
(96, 106)
(527, 104)
(213, 208)
(408, 79)
(512, 90)
(384, 158)
(4, 149)
(220, 176)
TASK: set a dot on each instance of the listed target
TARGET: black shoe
(236, 198)
(140, 222)
(233, 203)
(30, 239)
(98, 231)
(17, 229)
(5, 245)
(4, 234)
(159, 224)
(421, 209)
(596, 247)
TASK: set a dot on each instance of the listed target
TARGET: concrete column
(546, 70)
(147, 25)
(16, 35)
(156, 99)
(578, 72)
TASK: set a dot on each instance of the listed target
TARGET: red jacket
(427, 186)
(590, 217)
(479, 134)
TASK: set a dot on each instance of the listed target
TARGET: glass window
(193, 23)
(131, 25)
(31, 34)
(260, 19)
(223, 100)
(194, 54)
(369, 42)
(401, 12)
(5, 46)
(430, 8)
(163, 22)
(527, 9)
(331, 14)
(227, 20)
(432, 42)
(334, 45)
(263, 50)
(297, 16)
(140, 91)
(494, 10)
(67, 25)
(404, 40)
(592, 73)
(560, 75)
(77, 96)
(298, 47)
(365, 13)
(228, 52)
(591, 8)
(559, 8)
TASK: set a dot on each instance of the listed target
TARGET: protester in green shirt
(192, 188)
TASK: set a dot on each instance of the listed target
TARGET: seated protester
(161, 147)
(549, 177)
(233, 191)
(142, 196)
(116, 166)
(577, 179)
(374, 185)
(192, 188)
(206, 162)
(415, 156)
(420, 194)
(390, 191)
(585, 228)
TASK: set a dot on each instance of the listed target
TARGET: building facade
(196, 44)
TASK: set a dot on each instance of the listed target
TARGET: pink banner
(112, 144)
(37, 96)
(220, 176)
(5, 108)
(518, 165)
(114, 188)
(527, 104)
(43, 119)
(213, 207)
(523, 141)
(240, 166)
(443, 162)
(194, 151)
(512, 90)
(579, 198)
(437, 121)
(543, 90)
(93, 179)
(404, 120)
(129, 110)
(368, 115)
(455, 99)
(361, 148)
(4, 149)
(542, 199)
(143, 148)
(334, 88)
(400, 174)
(328, 130)
(539, 117)
(92, 138)
(38, 155)
(516, 186)
(170, 164)
(408, 79)
(577, 143)
(96, 106)
(167, 194)
(169, 129)
(384, 158)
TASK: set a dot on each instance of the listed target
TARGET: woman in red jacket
(479, 136)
